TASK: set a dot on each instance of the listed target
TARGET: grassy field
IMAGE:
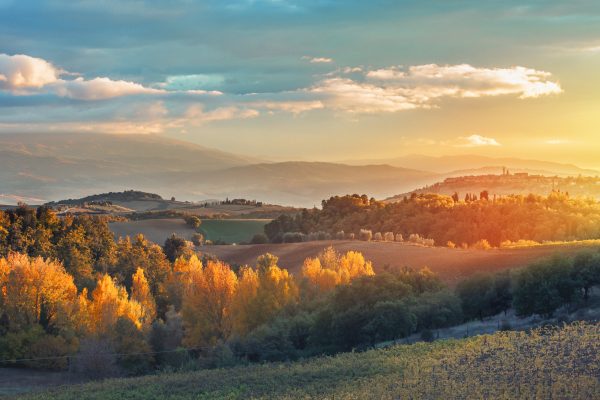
(451, 264)
(557, 364)
(232, 230)
(158, 230)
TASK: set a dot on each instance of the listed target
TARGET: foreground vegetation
(545, 363)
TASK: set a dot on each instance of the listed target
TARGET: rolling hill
(38, 168)
(468, 164)
(41, 168)
(451, 265)
(504, 365)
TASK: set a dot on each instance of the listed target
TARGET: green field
(558, 364)
(232, 230)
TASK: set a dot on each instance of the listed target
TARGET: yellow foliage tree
(29, 284)
(180, 277)
(242, 307)
(206, 306)
(140, 292)
(330, 269)
(261, 294)
(109, 303)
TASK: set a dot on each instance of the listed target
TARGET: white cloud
(348, 95)
(318, 60)
(477, 141)
(294, 107)
(196, 114)
(21, 72)
(395, 89)
(100, 88)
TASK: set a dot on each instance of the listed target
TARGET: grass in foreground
(554, 363)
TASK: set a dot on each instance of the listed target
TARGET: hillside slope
(558, 364)
(451, 265)
(57, 166)
(473, 162)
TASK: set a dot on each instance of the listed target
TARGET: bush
(418, 239)
(340, 235)
(543, 287)
(96, 359)
(293, 237)
(176, 247)
(427, 335)
(193, 221)
(482, 245)
(388, 236)
(399, 237)
(451, 244)
(259, 238)
(351, 236)
(197, 239)
(219, 356)
(365, 235)
(378, 236)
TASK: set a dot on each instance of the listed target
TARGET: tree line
(447, 219)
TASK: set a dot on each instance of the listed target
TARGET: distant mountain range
(471, 164)
(38, 168)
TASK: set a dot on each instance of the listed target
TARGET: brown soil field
(452, 265)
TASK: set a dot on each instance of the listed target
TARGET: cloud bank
(112, 104)
(395, 89)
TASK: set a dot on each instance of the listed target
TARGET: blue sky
(310, 79)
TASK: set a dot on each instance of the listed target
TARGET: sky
(311, 79)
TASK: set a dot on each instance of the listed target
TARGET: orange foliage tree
(206, 304)
(330, 269)
(28, 285)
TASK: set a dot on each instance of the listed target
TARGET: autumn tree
(176, 247)
(330, 269)
(206, 304)
(33, 289)
(180, 277)
(141, 253)
(140, 292)
(110, 302)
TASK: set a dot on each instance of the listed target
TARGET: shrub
(451, 244)
(351, 236)
(259, 238)
(482, 245)
(399, 237)
(323, 235)
(340, 235)
(197, 239)
(388, 236)
(427, 335)
(378, 237)
(193, 221)
(293, 237)
(96, 359)
(365, 235)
